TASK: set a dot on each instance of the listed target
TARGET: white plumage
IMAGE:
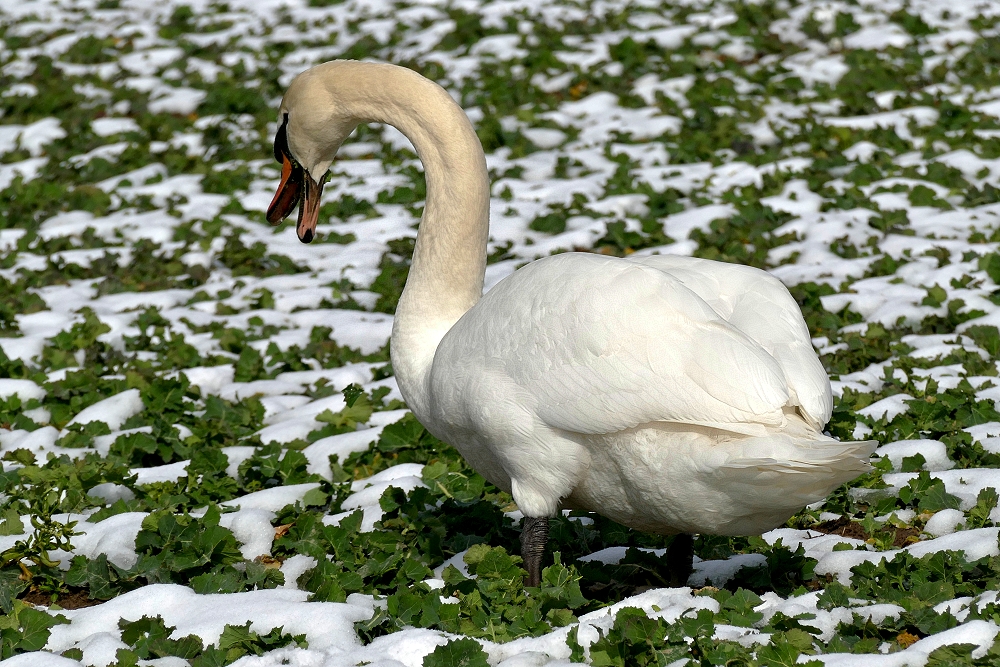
(669, 393)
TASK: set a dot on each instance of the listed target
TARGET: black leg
(534, 535)
(680, 559)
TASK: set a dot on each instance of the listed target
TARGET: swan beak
(309, 208)
(289, 192)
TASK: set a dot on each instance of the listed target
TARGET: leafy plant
(24, 629)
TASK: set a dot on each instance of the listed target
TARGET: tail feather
(808, 473)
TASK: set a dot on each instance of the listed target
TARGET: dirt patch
(843, 527)
(905, 536)
(847, 528)
(76, 599)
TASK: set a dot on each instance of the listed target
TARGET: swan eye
(281, 149)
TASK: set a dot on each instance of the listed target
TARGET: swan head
(313, 123)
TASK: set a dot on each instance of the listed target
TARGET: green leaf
(404, 606)
(212, 656)
(987, 336)
(11, 524)
(778, 653)
(323, 582)
(351, 394)
(452, 576)
(913, 463)
(126, 658)
(414, 570)
(475, 554)
(226, 581)
(701, 625)
(991, 264)
(457, 653)
(93, 574)
(834, 595)
(986, 502)
(576, 650)
(315, 497)
(937, 498)
(935, 296)
(560, 586)
(951, 655)
(738, 608)
(35, 627)
(560, 618)
(404, 434)
(495, 564)
(11, 585)
(933, 592)
(149, 638)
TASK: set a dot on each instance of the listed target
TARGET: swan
(671, 394)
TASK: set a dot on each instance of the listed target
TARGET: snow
(965, 484)
(23, 389)
(878, 37)
(978, 633)
(113, 411)
(272, 499)
(115, 537)
(887, 408)
(945, 522)
(170, 472)
(327, 625)
(718, 572)
(252, 528)
(107, 127)
(934, 452)
(367, 492)
(34, 137)
(341, 446)
(39, 659)
(596, 120)
(177, 101)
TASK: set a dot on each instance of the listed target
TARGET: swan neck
(449, 259)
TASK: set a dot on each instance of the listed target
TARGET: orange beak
(289, 191)
(297, 187)
(309, 208)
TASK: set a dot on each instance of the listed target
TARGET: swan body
(671, 394)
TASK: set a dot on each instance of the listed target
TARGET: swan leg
(680, 559)
(534, 535)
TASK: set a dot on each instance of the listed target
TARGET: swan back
(759, 305)
(600, 344)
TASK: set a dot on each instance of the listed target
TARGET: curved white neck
(449, 260)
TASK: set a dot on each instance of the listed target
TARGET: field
(205, 457)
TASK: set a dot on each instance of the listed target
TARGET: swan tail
(806, 472)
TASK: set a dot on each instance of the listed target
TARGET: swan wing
(598, 345)
(759, 305)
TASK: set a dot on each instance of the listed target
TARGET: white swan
(671, 394)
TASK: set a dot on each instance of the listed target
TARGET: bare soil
(847, 528)
(75, 599)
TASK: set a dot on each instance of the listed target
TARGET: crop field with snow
(206, 460)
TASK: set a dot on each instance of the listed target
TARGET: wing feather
(760, 306)
(599, 345)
